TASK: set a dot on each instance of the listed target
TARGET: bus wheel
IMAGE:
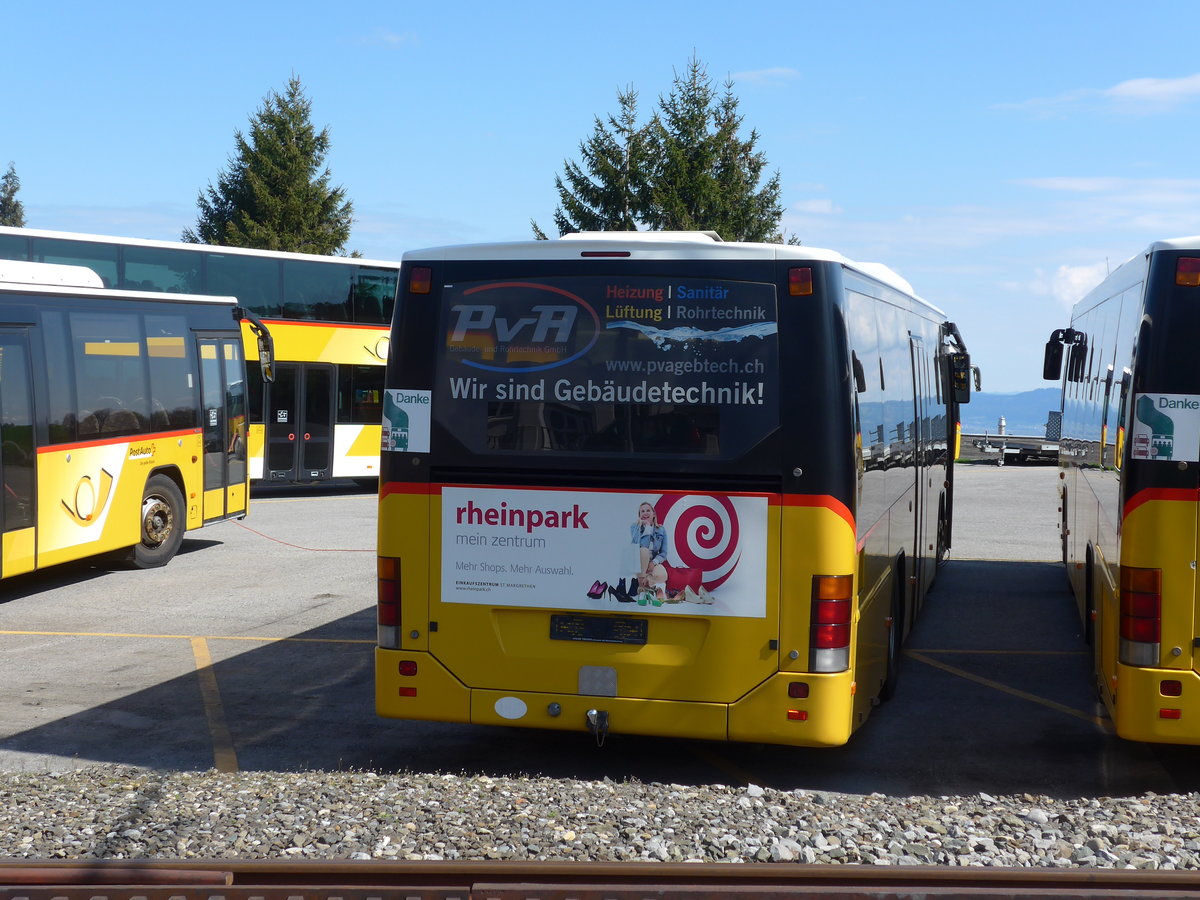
(162, 523)
(895, 637)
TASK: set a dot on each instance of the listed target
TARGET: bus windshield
(615, 366)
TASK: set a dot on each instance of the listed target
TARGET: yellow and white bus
(328, 316)
(1130, 486)
(660, 484)
(122, 417)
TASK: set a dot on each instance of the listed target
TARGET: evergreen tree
(12, 211)
(605, 193)
(275, 194)
(686, 170)
(706, 177)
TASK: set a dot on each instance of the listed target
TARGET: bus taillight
(1187, 271)
(1141, 615)
(829, 645)
(800, 281)
(420, 280)
(388, 607)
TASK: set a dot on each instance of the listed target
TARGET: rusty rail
(324, 880)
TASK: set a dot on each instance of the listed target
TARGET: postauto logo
(527, 327)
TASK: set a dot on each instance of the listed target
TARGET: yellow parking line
(191, 637)
(1103, 724)
(224, 756)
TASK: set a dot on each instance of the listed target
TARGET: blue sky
(997, 155)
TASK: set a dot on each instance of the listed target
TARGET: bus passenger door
(18, 459)
(223, 388)
(300, 423)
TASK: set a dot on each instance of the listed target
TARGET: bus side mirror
(960, 377)
(1052, 363)
(978, 378)
(266, 345)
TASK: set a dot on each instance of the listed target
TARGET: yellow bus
(122, 417)
(328, 316)
(661, 484)
(1129, 486)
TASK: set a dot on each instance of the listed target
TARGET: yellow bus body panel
(20, 549)
(90, 495)
(715, 678)
(1156, 534)
(1139, 701)
(824, 718)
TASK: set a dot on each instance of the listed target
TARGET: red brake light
(408, 667)
(800, 281)
(1171, 688)
(420, 280)
(1141, 604)
(1187, 271)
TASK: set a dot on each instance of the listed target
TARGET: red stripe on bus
(407, 487)
(831, 503)
(123, 439)
(1174, 495)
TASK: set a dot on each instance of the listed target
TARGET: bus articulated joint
(597, 724)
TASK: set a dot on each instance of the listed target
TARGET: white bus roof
(660, 245)
(52, 279)
(181, 245)
(19, 272)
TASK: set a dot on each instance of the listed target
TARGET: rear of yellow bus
(1148, 629)
(612, 502)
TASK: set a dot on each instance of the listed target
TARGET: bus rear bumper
(767, 714)
(1143, 712)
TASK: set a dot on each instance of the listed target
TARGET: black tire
(161, 525)
(895, 636)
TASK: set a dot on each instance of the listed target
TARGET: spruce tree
(706, 177)
(687, 169)
(275, 195)
(605, 193)
(12, 211)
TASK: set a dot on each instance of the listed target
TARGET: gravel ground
(125, 813)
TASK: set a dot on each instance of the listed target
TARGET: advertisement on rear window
(559, 364)
(693, 554)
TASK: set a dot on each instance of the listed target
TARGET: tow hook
(597, 724)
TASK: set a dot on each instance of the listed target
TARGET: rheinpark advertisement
(697, 554)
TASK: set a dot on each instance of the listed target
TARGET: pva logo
(90, 498)
(528, 331)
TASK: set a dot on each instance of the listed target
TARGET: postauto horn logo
(528, 328)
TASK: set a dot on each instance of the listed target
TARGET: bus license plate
(599, 629)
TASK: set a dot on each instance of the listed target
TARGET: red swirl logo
(703, 533)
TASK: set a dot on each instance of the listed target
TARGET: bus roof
(14, 271)
(1132, 270)
(659, 245)
(181, 245)
(51, 279)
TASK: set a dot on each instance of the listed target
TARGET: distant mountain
(1024, 413)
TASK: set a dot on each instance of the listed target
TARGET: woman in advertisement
(651, 541)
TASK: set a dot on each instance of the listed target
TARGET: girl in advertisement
(651, 541)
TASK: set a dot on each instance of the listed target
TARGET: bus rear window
(605, 365)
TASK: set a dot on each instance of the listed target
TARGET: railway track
(229, 880)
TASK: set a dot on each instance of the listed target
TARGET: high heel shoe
(619, 593)
(598, 589)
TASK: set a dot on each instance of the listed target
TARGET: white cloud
(819, 206)
(381, 37)
(1135, 96)
(767, 77)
